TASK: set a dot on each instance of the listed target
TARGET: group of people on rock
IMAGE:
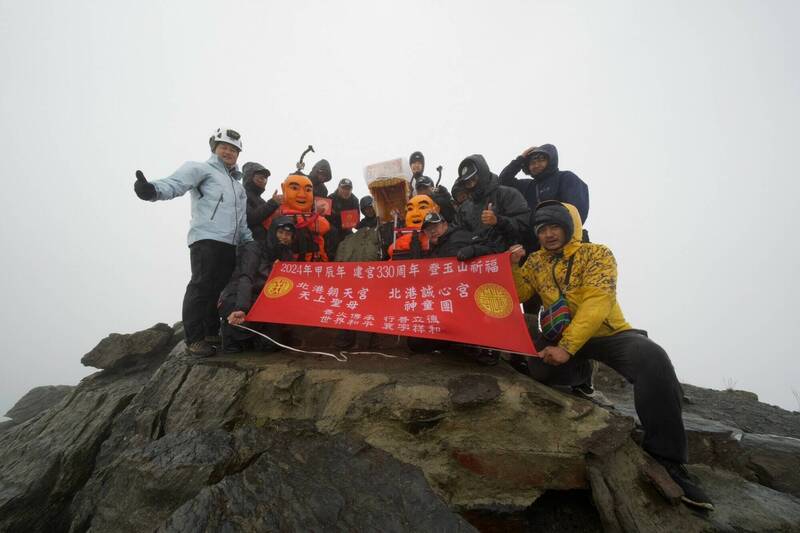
(236, 235)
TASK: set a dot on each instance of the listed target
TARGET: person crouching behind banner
(448, 240)
(582, 320)
(254, 262)
(411, 242)
(298, 203)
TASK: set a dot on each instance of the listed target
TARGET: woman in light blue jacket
(218, 225)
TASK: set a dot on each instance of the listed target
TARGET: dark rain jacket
(320, 189)
(551, 184)
(258, 209)
(254, 262)
(511, 209)
(456, 240)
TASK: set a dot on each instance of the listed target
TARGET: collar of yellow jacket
(575, 240)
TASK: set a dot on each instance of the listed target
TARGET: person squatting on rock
(492, 211)
(422, 184)
(582, 320)
(258, 210)
(254, 262)
(344, 215)
(218, 225)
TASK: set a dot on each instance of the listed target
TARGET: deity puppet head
(416, 209)
(298, 193)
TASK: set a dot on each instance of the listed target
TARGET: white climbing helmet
(225, 135)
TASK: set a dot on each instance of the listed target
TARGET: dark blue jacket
(551, 184)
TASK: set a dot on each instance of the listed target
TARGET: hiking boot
(200, 349)
(587, 392)
(488, 357)
(233, 347)
(693, 495)
(213, 340)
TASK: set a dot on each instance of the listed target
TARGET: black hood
(552, 160)
(487, 181)
(249, 169)
(321, 165)
(272, 235)
(366, 201)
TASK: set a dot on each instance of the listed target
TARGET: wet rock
(37, 400)
(125, 350)
(472, 390)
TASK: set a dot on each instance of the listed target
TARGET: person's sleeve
(594, 298)
(187, 177)
(523, 280)
(245, 235)
(574, 191)
(514, 221)
(258, 214)
(508, 176)
(249, 262)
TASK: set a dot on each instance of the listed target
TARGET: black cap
(423, 181)
(432, 218)
(344, 182)
(416, 156)
(553, 212)
(466, 171)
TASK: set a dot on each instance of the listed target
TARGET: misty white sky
(681, 116)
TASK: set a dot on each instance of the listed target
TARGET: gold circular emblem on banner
(494, 300)
(277, 287)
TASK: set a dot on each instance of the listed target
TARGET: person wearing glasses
(217, 226)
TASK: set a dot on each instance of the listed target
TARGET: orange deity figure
(412, 242)
(298, 202)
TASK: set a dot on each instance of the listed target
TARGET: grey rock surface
(37, 400)
(287, 441)
(126, 350)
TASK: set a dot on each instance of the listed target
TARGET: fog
(681, 117)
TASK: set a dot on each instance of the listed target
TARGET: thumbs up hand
(488, 217)
(143, 188)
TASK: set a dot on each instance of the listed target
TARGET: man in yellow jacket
(582, 320)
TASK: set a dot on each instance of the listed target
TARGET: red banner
(470, 302)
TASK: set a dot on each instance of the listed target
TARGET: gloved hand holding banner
(471, 302)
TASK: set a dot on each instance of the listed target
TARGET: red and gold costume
(298, 202)
(416, 209)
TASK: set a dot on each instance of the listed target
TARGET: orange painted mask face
(416, 209)
(298, 193)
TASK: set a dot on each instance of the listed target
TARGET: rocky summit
(384, 441)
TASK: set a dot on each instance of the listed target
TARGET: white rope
(342, 358)
(374, 353)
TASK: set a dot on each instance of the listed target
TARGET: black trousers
(657, 394)
(212, 265)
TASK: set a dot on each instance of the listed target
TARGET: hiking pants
(657, 393)
(212, 265)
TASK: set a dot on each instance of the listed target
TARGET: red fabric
(349, 218)
(472, 302)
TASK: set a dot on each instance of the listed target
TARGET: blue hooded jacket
(551, 184)
(219, 201)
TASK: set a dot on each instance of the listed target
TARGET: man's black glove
(144, 189)
(466, 253)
